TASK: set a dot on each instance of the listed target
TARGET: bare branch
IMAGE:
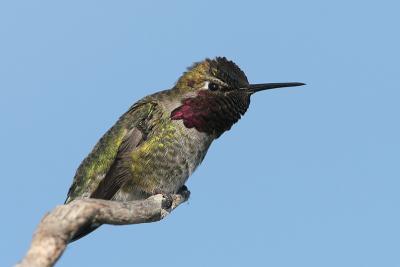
(58, 227)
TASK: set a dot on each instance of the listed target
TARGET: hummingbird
(159, 142)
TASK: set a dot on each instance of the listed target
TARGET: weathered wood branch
(58, 227)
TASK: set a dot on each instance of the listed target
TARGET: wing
(101, 174)
(119, 171)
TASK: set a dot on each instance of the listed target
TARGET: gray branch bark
(58, 227)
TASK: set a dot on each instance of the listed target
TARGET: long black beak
(266, 86)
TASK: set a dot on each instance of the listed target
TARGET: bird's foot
(184, 192)
(168, 201)
(168, 198)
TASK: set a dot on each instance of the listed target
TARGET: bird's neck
(212, 113)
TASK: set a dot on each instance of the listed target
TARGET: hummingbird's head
(216, 94)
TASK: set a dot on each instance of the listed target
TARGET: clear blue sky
(309, 177)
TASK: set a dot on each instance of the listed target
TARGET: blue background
(309, 176)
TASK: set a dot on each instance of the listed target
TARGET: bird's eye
(213, 86)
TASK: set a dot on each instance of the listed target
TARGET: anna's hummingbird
(158, 143)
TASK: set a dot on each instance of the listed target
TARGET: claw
(184, 191)
(167, 201)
